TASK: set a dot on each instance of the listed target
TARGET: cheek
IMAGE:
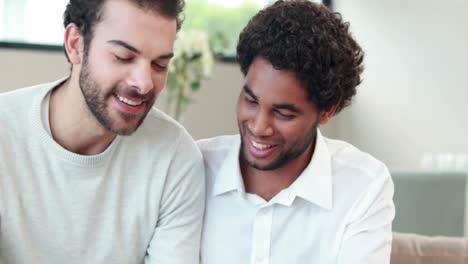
(297, 130)
(244, 112)
(159, 83)
(160, 80)
(106, 74)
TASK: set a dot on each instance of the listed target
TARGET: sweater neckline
(50, 144)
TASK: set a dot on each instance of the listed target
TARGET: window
(40, 22)
(32, 21)
(222, 20)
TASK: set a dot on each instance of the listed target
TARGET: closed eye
(284, 116)
(122, 59)
(250, 101)
(159, 67)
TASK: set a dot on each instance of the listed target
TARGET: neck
(72, 125)
(268, 183)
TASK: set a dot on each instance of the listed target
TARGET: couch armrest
(419, 249)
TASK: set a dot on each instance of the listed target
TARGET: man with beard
(281, 192)
(82, 178)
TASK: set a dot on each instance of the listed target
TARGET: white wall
(20, 68)
(413, 99)
(213, 112)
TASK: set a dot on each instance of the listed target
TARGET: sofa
(410, 248)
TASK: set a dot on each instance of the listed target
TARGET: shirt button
(262, 212)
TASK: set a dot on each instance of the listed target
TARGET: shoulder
(362, 184)
(17, 105)
(357, 175)
(159, 123)
(20, 98)
(159, 132)
(218, 144)
(348, 158)
(215, 149)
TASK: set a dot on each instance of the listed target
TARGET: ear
(74, 43)
(327, 114)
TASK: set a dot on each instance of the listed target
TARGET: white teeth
(128, 101)
(260, 146)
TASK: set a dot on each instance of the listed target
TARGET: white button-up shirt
(339, 210)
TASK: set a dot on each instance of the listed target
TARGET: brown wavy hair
(87, 13)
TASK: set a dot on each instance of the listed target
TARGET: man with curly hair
(281, 192)
(82, 178)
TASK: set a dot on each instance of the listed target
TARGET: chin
(126, 126)
(259, 164)
(262, 167)
(124, 130)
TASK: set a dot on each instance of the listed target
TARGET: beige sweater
(140, 201)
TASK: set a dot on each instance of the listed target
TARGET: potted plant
(192, 63)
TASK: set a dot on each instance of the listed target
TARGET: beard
(96, 100)
(296, 148)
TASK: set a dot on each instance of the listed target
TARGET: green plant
(192, 63)
(214, 18)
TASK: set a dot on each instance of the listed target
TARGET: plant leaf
(195, 86)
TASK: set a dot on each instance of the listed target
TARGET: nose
(261, 125)
(142, 79)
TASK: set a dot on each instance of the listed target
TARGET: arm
(176, 239)
(368, 236)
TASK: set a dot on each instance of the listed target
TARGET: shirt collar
(230, 177)
(314, 184)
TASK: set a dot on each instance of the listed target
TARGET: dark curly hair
(311, 41)
(87, 13)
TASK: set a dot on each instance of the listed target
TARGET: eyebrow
(249, 92)
(133, 49)
(285, 106)
(125, 45)
(289, 107)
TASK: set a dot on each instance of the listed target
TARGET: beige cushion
(419, 249)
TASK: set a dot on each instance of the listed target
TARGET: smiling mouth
(128, 101)
(260, 146)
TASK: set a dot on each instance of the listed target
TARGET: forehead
(276, 86)
(145, 29)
